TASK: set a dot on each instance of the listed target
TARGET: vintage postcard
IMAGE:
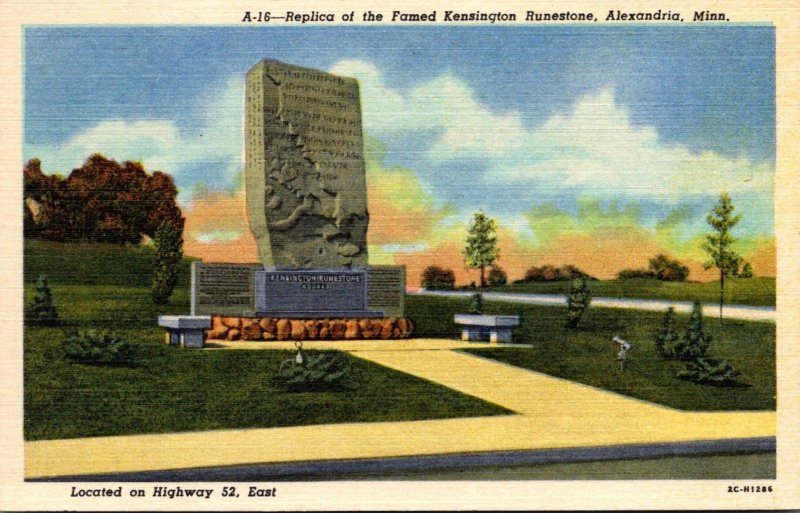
(365, 255)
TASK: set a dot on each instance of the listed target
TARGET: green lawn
(93, 264)
(588, 356)
(743, 291)
(170, 389)
(174, 390)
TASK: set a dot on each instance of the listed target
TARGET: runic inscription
(305, 178)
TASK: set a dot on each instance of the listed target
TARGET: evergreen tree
(169, 250)
(319, 372)
(713, 371)
(578, 301)
(42, 310)
(695, 341)
(718, 244)
(667, 337)
(476, 304)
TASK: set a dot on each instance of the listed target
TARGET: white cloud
(447, 105)
(215, 142)
(383, 109)
(218, 236)
(597, 148)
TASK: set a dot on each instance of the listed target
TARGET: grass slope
(743, 291)
(172, 390)
(588, 356)
(93, 264)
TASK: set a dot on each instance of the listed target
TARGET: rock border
(275, 328)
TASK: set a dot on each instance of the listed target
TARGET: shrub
(321, 371)
(660, 267)
(435, 277)
(714, 371)
(497, 276)
(631, 274)
(101, 348)
(532, 274)
(476, 304)
(569, 271)
(665, 269)
(169, 250)
(578, 301)
(549, 272)
(747, 271)
(667, 337)
(695, 341)
(42, 310)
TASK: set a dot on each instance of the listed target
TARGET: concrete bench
(495, 328)
(185, 330)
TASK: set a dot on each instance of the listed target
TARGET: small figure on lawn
(622, 354)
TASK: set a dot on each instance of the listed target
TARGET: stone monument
(304, 168)
(305, 184)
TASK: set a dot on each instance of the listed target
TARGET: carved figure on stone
(304, 172)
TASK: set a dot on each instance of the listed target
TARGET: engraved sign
(386, 289)
(304, 169)
(313, 293)
(223, 288)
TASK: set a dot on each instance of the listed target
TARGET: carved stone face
(305, 177)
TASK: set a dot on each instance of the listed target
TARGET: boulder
(284, 329)
(407, 326)
(232, 322)
(337, 329)
(351, 332)
(298, 330)
(269, 324)
(250, 330)
(218, 331)
(312, 329)
(387, 328)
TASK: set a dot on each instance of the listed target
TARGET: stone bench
(495, 328)
(185, 330)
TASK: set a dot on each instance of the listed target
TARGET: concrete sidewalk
(552, 414)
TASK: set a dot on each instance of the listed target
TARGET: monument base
(274, 328)
(326, 314)
(251, 290)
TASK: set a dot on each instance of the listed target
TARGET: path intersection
(550, 413)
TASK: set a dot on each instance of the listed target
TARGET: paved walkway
(552, 413)
(743, 312)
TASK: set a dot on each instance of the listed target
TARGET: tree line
(481, 252)
(101, 201)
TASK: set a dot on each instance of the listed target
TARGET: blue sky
(504, 118)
